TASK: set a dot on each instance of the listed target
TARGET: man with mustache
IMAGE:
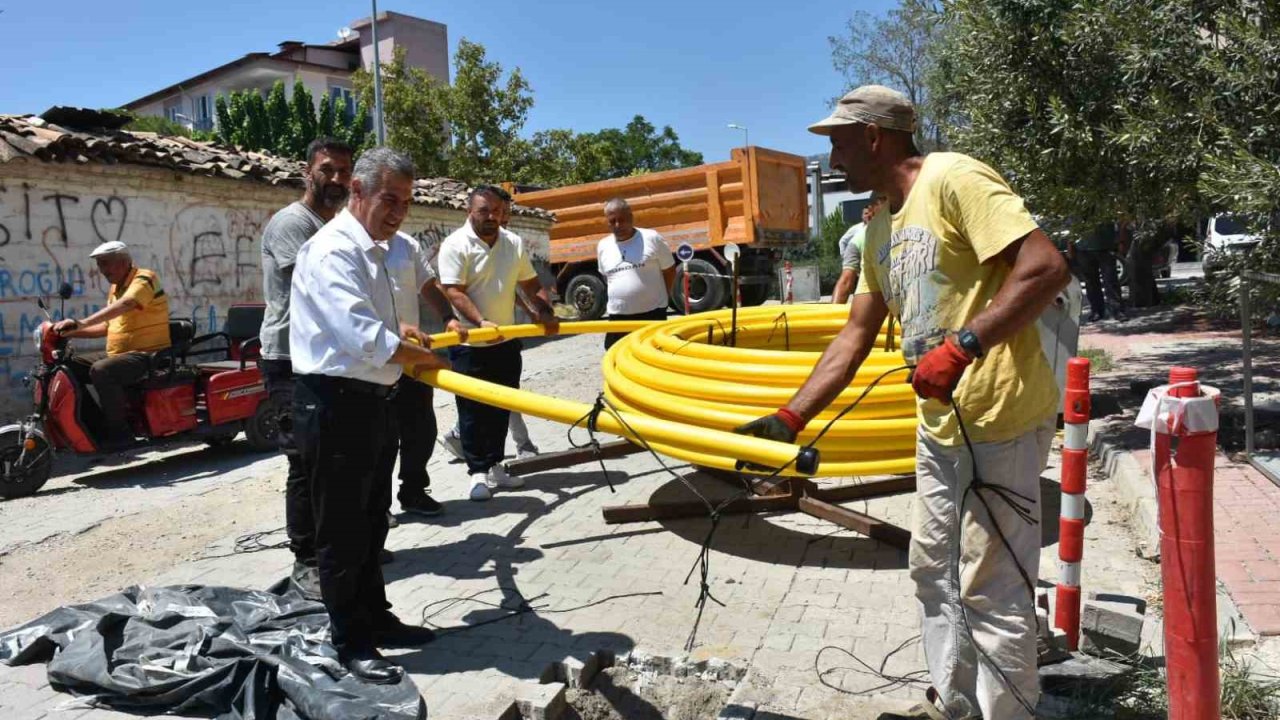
(481, 265)
(328, 177)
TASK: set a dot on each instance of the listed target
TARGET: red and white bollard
(1185, 410)
(788, 296)
(1075, 465)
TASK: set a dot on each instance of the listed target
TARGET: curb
(1138, 496)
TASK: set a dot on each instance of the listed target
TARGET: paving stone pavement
(784, 586)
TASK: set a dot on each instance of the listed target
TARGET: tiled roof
(32, 136)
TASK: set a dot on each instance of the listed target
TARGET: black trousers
(1101, 281)
(343, 433)
(656, 314)
(299, 524)
(484, 427)
(111, 376)
(415, 433)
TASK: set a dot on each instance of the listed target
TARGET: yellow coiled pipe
(683, 389)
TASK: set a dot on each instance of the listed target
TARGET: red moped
(181, 399)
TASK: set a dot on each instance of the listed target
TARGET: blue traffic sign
(684, 252)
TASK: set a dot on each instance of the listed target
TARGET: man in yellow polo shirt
(135, 323)
(959, 260)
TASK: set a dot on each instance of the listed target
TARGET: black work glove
(769, 427)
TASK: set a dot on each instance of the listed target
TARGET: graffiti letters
(108, 218)
(58, 199)
(203, 254)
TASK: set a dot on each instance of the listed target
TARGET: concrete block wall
(202, 235)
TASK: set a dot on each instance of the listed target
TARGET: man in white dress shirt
(348, 339)
(481, 265)
(638, 267)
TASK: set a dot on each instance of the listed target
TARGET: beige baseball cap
(870, 105)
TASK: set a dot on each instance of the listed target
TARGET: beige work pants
(1001, 611)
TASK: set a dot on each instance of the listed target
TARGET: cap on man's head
(109, 248)
(870, 105)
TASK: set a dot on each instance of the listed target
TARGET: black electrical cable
(976, 485)
(702, 563)
(521, 607)
(1023, 512)
(891, 682)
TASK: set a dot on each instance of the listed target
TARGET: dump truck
(757, 200)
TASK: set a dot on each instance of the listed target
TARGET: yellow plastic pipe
(679, 387)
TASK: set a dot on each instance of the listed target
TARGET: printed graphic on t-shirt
(910, 262)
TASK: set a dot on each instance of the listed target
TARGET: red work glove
(938, 372)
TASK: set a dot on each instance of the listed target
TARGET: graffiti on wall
(207, 255)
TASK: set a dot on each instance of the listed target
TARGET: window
(344, 101)
(203, 106)
(172, 113)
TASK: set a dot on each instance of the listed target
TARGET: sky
(696, 65)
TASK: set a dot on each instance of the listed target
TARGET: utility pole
(379, 127)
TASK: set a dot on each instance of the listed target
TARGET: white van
(1228, 232)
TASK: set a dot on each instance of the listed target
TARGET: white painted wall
(202, 235)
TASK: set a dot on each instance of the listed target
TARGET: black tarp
(221, 652)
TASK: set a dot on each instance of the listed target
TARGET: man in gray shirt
(328, 177)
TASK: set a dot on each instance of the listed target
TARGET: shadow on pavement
(125, 471)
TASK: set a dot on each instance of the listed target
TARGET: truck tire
(753, 295)
(705, 293)
(18, 480)
(587, 293)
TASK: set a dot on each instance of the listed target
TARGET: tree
(278, 121)
(639, 148)
(257, 123)
(1154, 111)
(485, 115)
(563, 157)
(893, 50)
(415, 109)
(470, 131)
(326, 124)
(303, 127)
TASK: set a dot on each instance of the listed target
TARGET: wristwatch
(968, 341)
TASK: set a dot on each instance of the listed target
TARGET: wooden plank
(570, 458)
(694, 508)
(874, 488)
(874, 528)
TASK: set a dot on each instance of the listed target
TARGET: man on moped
(135, 323)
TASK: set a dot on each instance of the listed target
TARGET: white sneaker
(479, 488)
(497, 477)
(453, 444)
(526, 452)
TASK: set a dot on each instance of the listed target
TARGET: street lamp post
(746, 137)
(379, 126)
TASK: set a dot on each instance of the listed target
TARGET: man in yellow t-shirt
(135, 323)
(961, 263)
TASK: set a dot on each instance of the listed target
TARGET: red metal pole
(1075, 465)
(686, 288)
(1184, 481)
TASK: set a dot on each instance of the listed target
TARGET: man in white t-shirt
(638, 267)
(481, 266)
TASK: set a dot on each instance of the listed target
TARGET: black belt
(362, 387)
